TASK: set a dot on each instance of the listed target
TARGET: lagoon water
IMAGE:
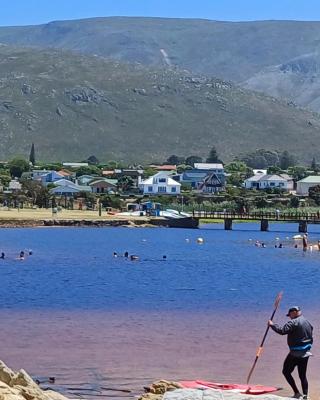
(73, 311)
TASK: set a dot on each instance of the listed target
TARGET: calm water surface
(73, 311)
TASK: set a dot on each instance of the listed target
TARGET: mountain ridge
(232, 51)
(72, 106)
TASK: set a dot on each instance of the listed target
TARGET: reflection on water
(73, 311)
(130, 350)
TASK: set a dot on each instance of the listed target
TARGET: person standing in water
(299, 333)
(305, 242)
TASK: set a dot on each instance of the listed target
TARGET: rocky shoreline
(14, 223)
(167, 390)
(20, 386)
(98, 223)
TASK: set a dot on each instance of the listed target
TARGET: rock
(167, 390)
(6, 375)
(20, 386)
(143, 92)
(27, 89)
(211, 394)
(59, 112)
(157, 389)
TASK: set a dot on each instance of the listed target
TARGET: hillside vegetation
(72, 106)
(249, 53)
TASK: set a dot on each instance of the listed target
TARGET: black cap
(295, 308)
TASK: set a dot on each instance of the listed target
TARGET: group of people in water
(305, 245)
(21, 257)
(132, 257)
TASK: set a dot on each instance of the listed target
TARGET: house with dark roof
(205, 177)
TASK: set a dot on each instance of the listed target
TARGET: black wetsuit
(300, 340)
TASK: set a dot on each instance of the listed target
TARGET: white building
(160, 183)
(264, 181)
(305, 184)
(14, 185)
(213, 167)
(259, 172)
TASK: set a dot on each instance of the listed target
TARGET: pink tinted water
(132, 349)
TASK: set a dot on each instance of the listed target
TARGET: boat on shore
(169, 218)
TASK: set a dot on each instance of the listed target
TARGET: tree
(183, 167)
(314, 194)
(298, 172)
(175, 160)
(89, 170)
(274, 170)
(4, 179)
(113, 201)
(261, 158)
(125, 183)
(236, 166)
(38, 194)
(213, 156)
(32, 157)
(314, 165)
(191, 160)
(237, 171)
(294, 202)
(92, 160)
(17, 166)
(287, 160)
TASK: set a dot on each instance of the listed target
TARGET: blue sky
(24, 12)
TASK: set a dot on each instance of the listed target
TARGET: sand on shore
(46, 213)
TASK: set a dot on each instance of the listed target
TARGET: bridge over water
(301, 218)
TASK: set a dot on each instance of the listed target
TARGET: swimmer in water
(115, 254)
(263, 245)
(21, 256)
(126, 254)
(2, 256)
(134, 258)
(164, 258)
(30, 252)
(280, 246)
(295, 246)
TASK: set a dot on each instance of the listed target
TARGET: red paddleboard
(244, 389)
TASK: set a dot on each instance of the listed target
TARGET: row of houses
(261, 180)
(205, 178)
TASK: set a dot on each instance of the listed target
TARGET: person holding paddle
(300, 339)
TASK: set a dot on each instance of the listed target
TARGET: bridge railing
(274, 216)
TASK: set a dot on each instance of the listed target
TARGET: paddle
(259, 351)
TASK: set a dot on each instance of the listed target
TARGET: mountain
(72, 106)
(297, 80)
(243, 52)
(229, 50)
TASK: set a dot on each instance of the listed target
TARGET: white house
(264, 181)
(305, 184)
(14, 185)
(160, 183)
